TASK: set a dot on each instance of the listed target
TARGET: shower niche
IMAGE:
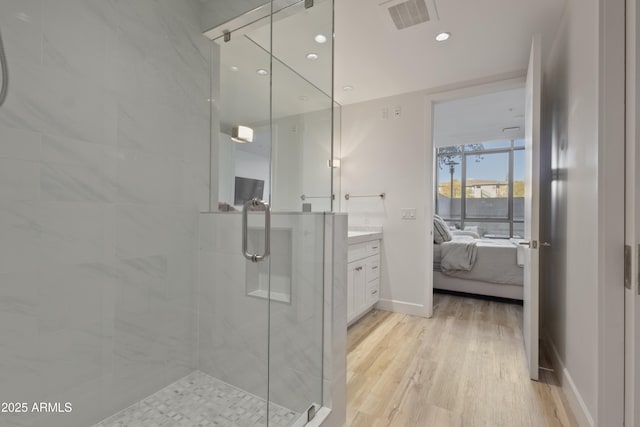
(274, 279)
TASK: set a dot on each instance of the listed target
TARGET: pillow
(441, 232)
(465, 233)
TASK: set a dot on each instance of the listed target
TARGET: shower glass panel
(302, 124)
(275, 77)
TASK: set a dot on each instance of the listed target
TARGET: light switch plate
(408, 213)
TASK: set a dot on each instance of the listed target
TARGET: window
(450, 187)
(481, 187)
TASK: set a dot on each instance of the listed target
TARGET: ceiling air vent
(409, 13)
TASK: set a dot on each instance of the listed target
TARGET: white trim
(578, 407)
(402, 307)
(610, 238)
(632, 222)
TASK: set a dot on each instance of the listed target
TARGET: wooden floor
(463, 367)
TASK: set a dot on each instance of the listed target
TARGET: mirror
(286, 100)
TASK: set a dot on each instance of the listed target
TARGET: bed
(496, 270)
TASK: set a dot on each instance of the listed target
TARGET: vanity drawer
(373, 292)
(373, 268)
(373, 247)
(357, 251)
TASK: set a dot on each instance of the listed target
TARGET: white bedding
(496, 262)
(458, 255)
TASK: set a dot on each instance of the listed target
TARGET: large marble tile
(20, 231)
(183, 258)
(114, 312)
(70, 359)
(182, 341)
(73, 107)
(297, 346)
(23, 108)
(22, 30)
(77, 170)
(80, 56)
(20, 371)
(19, 144)
(19, 180)
(87, 400)
(142, 230)
(139, 350)
(70, 183)
(73, 233)
(147, 178)
(222, 233)
(19, 296)
(159, 130)
(74, 297)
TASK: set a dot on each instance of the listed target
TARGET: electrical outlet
(408, 213)
(397, 111)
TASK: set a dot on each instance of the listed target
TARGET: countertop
(360, 236)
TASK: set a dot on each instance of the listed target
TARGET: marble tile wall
(335, 323)
(104, 145)
(234, 327)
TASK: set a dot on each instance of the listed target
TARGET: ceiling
(488, 117)
(488, 38)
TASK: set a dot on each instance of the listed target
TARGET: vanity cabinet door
(356, 289)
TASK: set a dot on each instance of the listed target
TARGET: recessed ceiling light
(234, 68)
(312, 56)
(262, 72)
(320, 38)
(347, 88)
(443, 36)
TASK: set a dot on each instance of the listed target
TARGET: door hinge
(627, 266)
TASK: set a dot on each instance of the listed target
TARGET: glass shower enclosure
(166, 186)
(271, 186)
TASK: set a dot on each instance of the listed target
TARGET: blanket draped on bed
(458, 255)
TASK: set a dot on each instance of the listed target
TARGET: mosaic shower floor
(199, 400)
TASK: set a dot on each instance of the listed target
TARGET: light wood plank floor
(464, 367)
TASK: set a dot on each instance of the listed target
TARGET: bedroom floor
(464, 367)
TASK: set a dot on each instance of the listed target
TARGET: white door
(532, 207)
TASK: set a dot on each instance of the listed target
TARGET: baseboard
(401, 307)
(569, 388)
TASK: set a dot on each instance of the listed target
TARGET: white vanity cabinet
(363, 284)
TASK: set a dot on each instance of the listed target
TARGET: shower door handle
(267, 229)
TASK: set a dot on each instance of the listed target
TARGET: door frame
(611, 213)
(632, 217)
(481, 88)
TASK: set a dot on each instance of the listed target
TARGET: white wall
(390, 155)
(104, 144)
(301, 148)
(582, 167)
